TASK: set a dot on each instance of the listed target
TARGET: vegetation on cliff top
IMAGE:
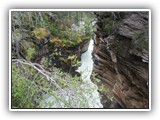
(32, 84)
(44, 45)
(53, 35)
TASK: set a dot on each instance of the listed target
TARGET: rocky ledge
(120, 58)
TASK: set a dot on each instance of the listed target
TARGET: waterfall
(87, 90)
(86, 69)
(86, 63)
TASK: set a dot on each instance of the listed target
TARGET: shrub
(35, 87)
(40, 33)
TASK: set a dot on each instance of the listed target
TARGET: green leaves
(74, 61)
(40, 33)
(102, 88)
(73, 57)
(29, 88)
(30, 53)
(23, 91)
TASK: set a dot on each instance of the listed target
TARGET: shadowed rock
(121, 58)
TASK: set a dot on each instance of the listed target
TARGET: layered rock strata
(120, 58)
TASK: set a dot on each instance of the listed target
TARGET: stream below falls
(86, 70)
(92, 97)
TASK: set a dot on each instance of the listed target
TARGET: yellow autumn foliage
(79, 38)
(40, 33)
(57, 41)
(63, 60)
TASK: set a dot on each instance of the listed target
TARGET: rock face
(120, 58)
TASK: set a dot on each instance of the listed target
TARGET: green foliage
(110, 24)
(88, 28)
(30, 53)
(23, 89)
(71, 62)
(40, 33)
(94, 77)
(54, 30)
(102, 88)
(143, 39)
(32, 85)
(30, 82)
(74, 61)
(111, 98)
(62, 29)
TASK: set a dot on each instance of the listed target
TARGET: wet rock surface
(120, 58)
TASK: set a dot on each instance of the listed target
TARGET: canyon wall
(120, 58)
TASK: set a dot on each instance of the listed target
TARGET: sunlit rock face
(120, 58)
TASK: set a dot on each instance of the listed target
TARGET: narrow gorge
(120, 58)
(77, 59)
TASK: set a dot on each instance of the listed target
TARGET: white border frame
(87, 109)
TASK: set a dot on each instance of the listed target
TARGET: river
(86, 70)
(88, 90)
(88, 95)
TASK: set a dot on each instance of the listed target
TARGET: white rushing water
(86, 70)
(91, 97)
(86, 63)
